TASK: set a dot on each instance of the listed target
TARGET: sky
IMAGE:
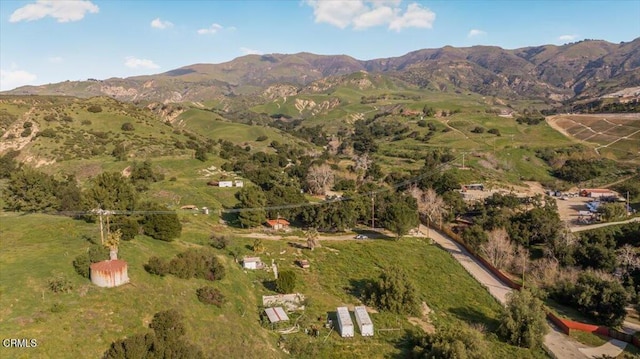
(49, 41)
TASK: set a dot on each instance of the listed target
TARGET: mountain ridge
(574, 71)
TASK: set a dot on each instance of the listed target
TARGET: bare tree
(498, 250)
(430, 206)
(628, 258)
(361, 165)
(312, 239)
(320, 178)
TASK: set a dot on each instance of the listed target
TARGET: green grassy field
(83, 323)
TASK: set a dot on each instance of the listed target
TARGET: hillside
(551, 73)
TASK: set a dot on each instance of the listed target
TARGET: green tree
(286, 282)
(160, 223)
(613, 211)
(110, 191)
(201, 154)
(401, 216)
(120, 152)
(251, 197)
(29, 190)
(8, 164)
(523, 320)
(394, 292)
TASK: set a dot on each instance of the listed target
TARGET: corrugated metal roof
(276, 314)
(363, 316)
(109, 265)
(343, 316)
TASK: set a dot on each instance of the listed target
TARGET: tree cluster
(597, 296)
(394, 292)
(193, 263)
(166, 341)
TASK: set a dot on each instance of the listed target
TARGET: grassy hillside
(85, 321)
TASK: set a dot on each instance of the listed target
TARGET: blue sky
(46, 41)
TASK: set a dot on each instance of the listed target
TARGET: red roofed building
(278, 224)
(109, 273)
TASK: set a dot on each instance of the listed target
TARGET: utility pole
(373, 210)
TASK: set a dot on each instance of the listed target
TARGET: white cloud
(160, 24)
(415, 16)
(61, 10)
(248, 51)
(211, 30)
(55, 59)
(362, 14)
(476, 32)
(11, 79)
(376, 17)
(567, 37)
(136, 63)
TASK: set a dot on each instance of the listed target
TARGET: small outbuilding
(252, 263)
(239, 183)
(345, 324)
(364, 321)
(278, 224)
(109, 273)
(303, 263)
(276, 315)
(225, 184)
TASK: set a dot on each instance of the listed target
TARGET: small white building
(364, 321)
(345, 324)
(225, 184)
(239, 183)
(252, 263)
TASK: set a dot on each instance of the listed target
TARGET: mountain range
(570, 72)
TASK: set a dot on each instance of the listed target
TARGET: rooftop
(109, 265)
(276, 314)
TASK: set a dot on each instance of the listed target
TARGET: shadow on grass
(297, 245)
(472, 315)
(269, 285)
(406, 344)
(231, 219)
(358, 287)
(373, 234)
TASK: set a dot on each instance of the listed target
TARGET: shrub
(157, 266)
(210, 295)
(286, 282)
(85, 122)
(219, 242)
(27, 124)
(94, 108)
(26, 132)
(81, 265)
(127, 126)
(60, 284)
(48, 132)
(477, 129)
(262, 138)
(494, 131)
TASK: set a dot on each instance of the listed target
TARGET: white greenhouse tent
(345, 325)
(364, 321)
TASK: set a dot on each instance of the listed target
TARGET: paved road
(558, 344)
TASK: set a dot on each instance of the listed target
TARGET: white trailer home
(364, 321)
(345, 324)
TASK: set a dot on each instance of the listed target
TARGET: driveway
(556, 343)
